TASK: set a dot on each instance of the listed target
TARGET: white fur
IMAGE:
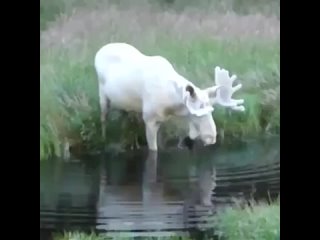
(132, 81)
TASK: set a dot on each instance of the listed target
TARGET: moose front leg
(152, 128)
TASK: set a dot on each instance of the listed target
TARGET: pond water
(146, 194)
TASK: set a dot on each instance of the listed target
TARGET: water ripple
(159, 194)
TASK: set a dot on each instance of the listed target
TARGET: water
(145, 194)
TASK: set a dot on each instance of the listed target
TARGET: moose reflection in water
(156, 205)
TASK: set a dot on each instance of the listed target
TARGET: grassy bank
(258, 222)
(194, 39)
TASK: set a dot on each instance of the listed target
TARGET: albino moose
(131, 81)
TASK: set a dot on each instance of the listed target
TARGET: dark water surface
(138, 192)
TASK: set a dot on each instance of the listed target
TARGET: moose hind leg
(104, 108)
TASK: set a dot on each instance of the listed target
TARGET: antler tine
(233, 78)
(236, 88)
(238, 108)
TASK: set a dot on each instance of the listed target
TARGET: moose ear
(190, 89)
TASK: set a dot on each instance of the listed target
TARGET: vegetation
(195, 38)
(259, 221)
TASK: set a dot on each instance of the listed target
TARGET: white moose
(131, 81)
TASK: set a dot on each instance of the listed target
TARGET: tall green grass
(195, 40)
(258, 221)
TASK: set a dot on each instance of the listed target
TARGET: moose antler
(225, 90)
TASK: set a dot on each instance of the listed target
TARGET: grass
(259, 221)
(195, 39)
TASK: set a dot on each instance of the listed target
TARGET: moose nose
(209, 140)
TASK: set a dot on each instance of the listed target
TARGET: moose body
(131, 81)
